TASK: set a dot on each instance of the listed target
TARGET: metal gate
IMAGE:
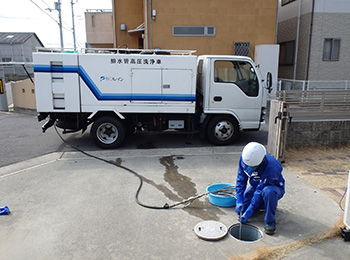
(278, 123)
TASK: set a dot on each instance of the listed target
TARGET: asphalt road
(21, 139)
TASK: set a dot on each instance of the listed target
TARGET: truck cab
(233, 96)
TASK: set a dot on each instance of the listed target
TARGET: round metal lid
(210, 230)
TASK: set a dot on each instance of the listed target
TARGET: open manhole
(245, 232)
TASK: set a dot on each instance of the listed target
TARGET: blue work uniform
(267, 186)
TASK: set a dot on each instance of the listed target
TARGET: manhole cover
(210, 230)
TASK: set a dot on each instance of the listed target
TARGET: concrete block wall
(330, 133)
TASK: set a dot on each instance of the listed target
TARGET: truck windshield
(240, 73)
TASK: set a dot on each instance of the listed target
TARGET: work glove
(4, 210)
(242, 219)
(239, 208)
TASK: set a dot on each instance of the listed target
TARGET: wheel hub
(107, 133)
(224, 130)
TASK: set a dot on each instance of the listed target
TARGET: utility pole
(58, 8)
(74, 42)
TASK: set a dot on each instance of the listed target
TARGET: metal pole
(58, 8)
(74, 42)
(3, 97)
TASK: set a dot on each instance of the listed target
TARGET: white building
(314, 39)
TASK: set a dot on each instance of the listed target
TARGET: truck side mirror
(269, 82)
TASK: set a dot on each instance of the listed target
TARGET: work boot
(270, 228)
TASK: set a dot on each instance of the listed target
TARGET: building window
(6, 59)
(194, 30)
(285, 2)
(92, 20)
(287, 53)
(331, 48)
(241, 48)
(240, 73)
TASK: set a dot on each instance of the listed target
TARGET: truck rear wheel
(222, 130)
(108, 132)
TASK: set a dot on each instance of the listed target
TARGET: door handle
(217, 98)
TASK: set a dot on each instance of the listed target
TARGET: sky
(33, 16)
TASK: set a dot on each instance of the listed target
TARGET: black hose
(166, 205)
(341, 199)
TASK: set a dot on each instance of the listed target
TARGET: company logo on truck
(136, 61)
(105, 78)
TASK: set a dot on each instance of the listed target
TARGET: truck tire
(222, 130)
(108, 132)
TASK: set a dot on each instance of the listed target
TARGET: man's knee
(269, 191)
(272, 192)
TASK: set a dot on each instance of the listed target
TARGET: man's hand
(242, 219)
(239, 208)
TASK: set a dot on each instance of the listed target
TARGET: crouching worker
(264, 174)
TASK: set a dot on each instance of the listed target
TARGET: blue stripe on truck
(111, 96)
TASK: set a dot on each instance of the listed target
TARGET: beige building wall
(99, 29)
(235, 21)
(23, 94)
(130, 13)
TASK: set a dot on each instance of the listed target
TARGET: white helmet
(252, 156)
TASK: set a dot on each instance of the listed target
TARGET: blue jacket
(269, 173)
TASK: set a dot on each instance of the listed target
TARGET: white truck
(123, 90)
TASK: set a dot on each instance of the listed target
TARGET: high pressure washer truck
(124, 90)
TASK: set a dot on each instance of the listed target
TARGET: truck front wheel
(108, 132)
(222, 130)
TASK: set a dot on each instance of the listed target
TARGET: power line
(44, 11)
(45, 3)
(14, 17)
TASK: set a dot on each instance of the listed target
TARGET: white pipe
(297, 42)
(145, 40)
(114, 26)
(150, 27)
(277, 12)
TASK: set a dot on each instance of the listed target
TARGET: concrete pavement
(68, 206)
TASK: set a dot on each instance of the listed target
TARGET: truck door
(234, 87)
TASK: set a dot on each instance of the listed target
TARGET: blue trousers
(268, 200)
